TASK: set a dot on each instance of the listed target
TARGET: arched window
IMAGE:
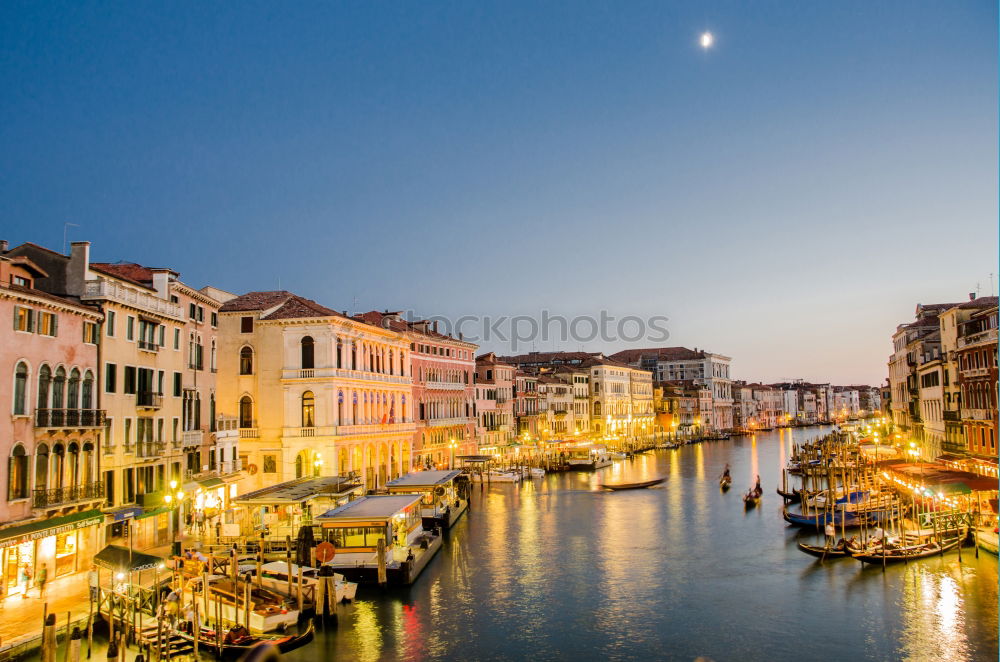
(58, 389)
(246, 361)
(597, 409)
(299, 465)
(308, 353)
(21, 388)
(340, 353)
(42, 467)
(308, 410)
(17, 474)
(73, 392)
(246, 412)
(58, 462)
(87, 401)
(211, 412)
(44, 386)
(73, 465)
(212, 365)
(88, 463)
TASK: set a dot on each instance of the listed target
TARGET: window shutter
(17, 313)
(55, 325)
(31, 320)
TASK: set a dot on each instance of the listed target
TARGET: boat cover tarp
(119, 559)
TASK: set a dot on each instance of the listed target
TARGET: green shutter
(55, 325)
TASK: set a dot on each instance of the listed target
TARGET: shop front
(61, 545)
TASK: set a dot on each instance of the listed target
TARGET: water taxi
(444, 493)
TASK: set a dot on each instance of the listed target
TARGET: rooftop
(423, 478)
(372, 506)
(299, 490)
(659, 353)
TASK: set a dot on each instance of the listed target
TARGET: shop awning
(210, 482)
(120, 559)
(16, 535)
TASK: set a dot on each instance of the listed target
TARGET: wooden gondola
(236, 645)
(910, 553)
(820, 551)
(794, 495)
(725, 483)
(751, 499)
(633, 486)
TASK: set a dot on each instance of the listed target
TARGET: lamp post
(451, 462)
(173, 500)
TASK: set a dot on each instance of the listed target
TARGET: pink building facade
(443, 369)
(50, 429)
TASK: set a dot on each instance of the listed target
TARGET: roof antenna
(991, 284)
(66, 227)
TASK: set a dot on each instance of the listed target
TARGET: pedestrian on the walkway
(26, 580)
(43, 575)
(92, 582)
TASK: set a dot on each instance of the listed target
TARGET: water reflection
(557, 569)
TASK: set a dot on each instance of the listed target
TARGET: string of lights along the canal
(556, 569)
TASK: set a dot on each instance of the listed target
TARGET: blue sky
(784, 198)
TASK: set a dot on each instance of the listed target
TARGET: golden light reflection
(754, 466)
(699, 461)
(933, 616)
(368, 631)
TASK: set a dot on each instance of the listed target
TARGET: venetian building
(314, 391)
(52, 489)
(443, 369)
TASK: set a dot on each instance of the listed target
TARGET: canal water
(556, 569)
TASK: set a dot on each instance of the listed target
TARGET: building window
(20, 389)
(246, 361)
(177, 338)
(308, 410)
(191, 311)
(177, 384)
(308, 353)
(109, 324)
(73, 393)
(48, 324)
(17, 474)
(215, 319)
(87, 399)
(110, 377)
(246, 412)
(90, 335)
(129, 383)
(270, 465)
(24, 319)
(58, 388)
(246, 325)
(130, 328)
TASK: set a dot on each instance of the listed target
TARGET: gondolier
(831, 534)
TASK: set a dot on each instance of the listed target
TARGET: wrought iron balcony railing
(56, 496)
(69, 418)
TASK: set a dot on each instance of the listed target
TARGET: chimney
(161, 279)
(972, 295)
(435, 326)
(78, 269)
(459, 335)
(3, 245)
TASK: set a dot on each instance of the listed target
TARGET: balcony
(322, 431)
(326, 373)
(149, 448)
(148, 346)
(69, 418)
(950, 415)
(974, 372)
(976, 414)
(445, 386)
(249, 433)
(193, 438)
(149, 400)
(376, 428)
(103, 289)
(443, 422)
(987, 336)
(60, 496)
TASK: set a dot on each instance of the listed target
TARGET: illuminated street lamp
(451, 463)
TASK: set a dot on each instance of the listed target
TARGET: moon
(706, 40)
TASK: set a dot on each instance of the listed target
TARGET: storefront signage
(126, 513)
(52, 531)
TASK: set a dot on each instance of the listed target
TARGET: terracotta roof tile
(660, 353)
(134, 273)
(256, 301)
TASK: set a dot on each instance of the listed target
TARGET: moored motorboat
(633, 486)
(987, 539)
(537, 473)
